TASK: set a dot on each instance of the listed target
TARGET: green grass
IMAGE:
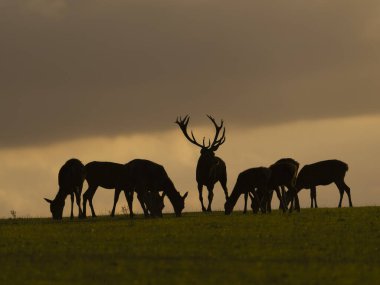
(316, 246)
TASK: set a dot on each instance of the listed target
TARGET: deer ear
(184, 196)
(48, 200)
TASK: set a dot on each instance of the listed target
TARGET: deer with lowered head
(210, 168)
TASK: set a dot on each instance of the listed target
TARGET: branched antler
(214, 145)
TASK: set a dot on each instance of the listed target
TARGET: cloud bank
(73, 69)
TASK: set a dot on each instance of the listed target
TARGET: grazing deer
(284, 174)
(108, 175)
(253, 181)
(323, 173)
(210, 169)
(70, 181)
(155, 203)
(145, 175)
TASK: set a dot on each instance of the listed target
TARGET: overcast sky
(78, 68)
(74, 72)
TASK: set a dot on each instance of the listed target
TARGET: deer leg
(264, 201)
(343, 188)
(312, 194)
(294, 201)
(77, 198)
(210, 197)
(245, 202)
(72, 205)
(282, 202)
(115, 199)
(315, 197)
(268, 203)
(255, 204)
(348, 191)
(283, 195)
(129, 196)
(88, 195)
(200, 190)
(297, 203)
(141, 197)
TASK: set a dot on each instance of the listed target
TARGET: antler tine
(182, 123)
(217, 142)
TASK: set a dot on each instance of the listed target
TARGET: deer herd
(151, 183)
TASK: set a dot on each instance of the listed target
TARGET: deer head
(209, 149)
(56, 208)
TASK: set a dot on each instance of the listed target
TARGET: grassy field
(316, 246)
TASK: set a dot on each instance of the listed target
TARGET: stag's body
(145, 175)
(70, 181)
(324, 173)
(210, 169)
(254, 181)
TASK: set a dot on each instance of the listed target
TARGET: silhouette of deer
(145, 175)
(70, 181)
(284, 174)
(323, 173)
(253, 181)
(155, 203)
(210, 168)
(108, 175)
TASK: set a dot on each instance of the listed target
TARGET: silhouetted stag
(70, 181)
(210, 169)
(253, 181)
(145, 175)
(324, 173)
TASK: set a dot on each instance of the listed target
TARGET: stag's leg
(72, 205)
(200, 190)
(77, 198)
(115, 199)
(210, 197)
(88, 195)
(129, 197)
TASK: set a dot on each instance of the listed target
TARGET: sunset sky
(105, 80)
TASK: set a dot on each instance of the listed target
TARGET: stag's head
(209, 149)
(56, 208)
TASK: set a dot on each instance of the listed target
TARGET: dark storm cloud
(81, 68)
